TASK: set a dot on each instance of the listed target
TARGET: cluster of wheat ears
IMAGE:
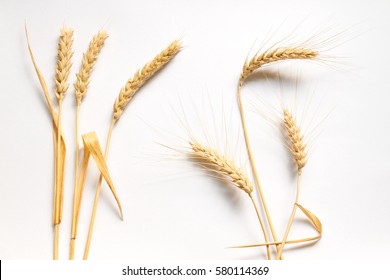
(211, 158)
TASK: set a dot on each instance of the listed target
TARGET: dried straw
(258, 61)
(125, 96)
(81, 86)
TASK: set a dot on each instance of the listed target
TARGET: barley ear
(297, 145)
(141, 76)
(64, 62)
(89, 59)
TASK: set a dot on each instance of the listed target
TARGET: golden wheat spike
(223, 166)
(141, 76)
(296, 139)
(64, 62)
(89, 59)
(273, 55)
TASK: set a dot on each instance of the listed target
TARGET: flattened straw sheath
(125, 96)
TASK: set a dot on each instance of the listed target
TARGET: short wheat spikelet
(223, 166)
(64, 62)
(296, 140)
(88, 62)
(141, 76)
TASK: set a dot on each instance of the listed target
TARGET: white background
(172, 210)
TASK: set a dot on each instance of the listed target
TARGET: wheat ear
(64, 62)
(298, 152)
(141, 76)
(259, 60)
(296, 140)
(89, 59)
(226, 168)
(81, 87)
(125, 96)
(273, 55)
(62, 73)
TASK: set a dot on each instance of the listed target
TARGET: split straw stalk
(297, 148)
(81, 87)
(216, 162)
(250, 66)
(125, 96)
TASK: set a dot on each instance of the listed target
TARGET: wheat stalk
(226, 168)
(259, 60)
(125, 96)
(141, 76)
(81, 86)
(298, 152)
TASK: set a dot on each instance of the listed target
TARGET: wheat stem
(56, 241)
(262, 225)
(291, 218)
(81, 87)
(58, 191)
(75, 195)
(97, 195)
(295, 241)
(253, 165)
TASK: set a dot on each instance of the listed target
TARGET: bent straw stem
(262, 225)
(97, 195)
(253, 165)
(291, 218)
(75, 195)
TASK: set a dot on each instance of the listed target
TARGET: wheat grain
(63, 62)
(88, 62)
(296, 139)
(273, 55)
(141, 76)
(222, 165)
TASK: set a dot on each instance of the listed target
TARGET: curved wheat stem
(223, 166)
(259, 60)
(141, 76)
(81, 86)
